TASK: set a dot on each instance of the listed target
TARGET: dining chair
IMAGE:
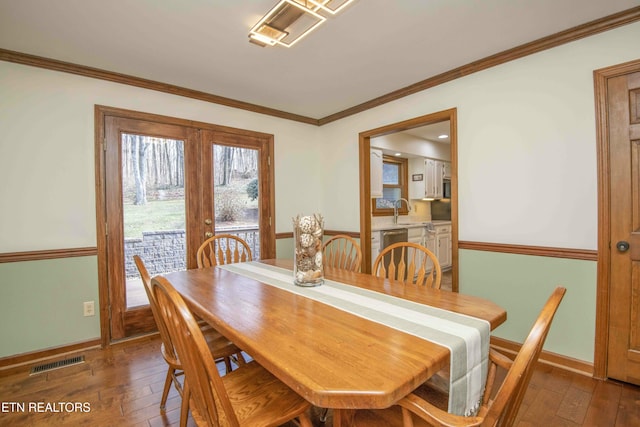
(220, 347)
(409, 263)
(248, 396)
(223, 249)
(343, 252)
(498, 407)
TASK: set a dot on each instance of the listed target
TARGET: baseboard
(511, 348)
(11, 364)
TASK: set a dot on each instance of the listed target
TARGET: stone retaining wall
(165, 251)
(162, 252)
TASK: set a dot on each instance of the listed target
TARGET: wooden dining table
(332, 358)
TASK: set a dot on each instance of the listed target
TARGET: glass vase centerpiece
(308, 267)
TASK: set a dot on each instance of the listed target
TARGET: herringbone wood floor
(122, 386)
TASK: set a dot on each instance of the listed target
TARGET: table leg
(343, 417)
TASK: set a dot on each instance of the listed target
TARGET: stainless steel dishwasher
(389, 237)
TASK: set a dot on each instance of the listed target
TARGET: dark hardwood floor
(122, 385)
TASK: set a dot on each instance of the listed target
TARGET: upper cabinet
(376, 173)
(426, 177)
(447, 170)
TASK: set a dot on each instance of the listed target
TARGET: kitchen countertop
(381, 227)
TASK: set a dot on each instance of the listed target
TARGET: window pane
(389, 195)
(390, 173)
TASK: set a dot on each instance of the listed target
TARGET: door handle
(208, 234)
(622, 246)
(208, 221)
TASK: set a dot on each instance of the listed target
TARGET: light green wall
(45, 298)
(521, 284)
(284, 248)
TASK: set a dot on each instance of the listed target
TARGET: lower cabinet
(375, 246)
(443, 245)
(416, 235)
(430, 243)
(437, 241)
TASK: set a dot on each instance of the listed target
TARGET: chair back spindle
(409, 263)
(343, 252)
(223, 249)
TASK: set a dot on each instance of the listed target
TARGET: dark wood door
(623, 103)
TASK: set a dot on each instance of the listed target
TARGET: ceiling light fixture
(291, 20)
(443, 136)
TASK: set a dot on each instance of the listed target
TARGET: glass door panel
(236, 194)
(153, 202)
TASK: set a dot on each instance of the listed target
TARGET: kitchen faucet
(395, 208)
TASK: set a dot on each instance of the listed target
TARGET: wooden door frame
(268, 246)
(601, 78)
(365, 181)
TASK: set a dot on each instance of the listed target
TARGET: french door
(237, 197)
(164, 187)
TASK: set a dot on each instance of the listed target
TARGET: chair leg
(241, 360)
(167, 386)
(323, 415)
(184, 406)
(227, 364)
(304, 420)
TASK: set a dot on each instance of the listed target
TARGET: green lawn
(169, 214)
(160, 215)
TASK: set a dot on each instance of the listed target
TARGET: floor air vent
(57, 365)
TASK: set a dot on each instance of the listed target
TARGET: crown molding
(576, 33)
(585, 30)
(96, 73)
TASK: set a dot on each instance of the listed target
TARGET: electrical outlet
(89, 308)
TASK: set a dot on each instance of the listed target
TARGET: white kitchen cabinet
(375, 161)
(443, 244)
(430, 243)
(446, 170)
(375, 246)
(417, 235)
(430, 186)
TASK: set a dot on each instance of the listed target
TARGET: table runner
(466, 337)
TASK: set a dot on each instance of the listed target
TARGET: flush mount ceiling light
(290, 20)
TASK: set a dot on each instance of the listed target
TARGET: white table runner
(466, 337)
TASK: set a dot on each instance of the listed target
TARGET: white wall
(526, 145)
(47, 156)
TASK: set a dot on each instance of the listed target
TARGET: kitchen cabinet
(446, 170)
(430, 243)
(429, 186)
(433, 174)
(375, 246)
(443, 244)
(375, 162)
(415, 235)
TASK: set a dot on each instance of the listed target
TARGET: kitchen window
(394, 187)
